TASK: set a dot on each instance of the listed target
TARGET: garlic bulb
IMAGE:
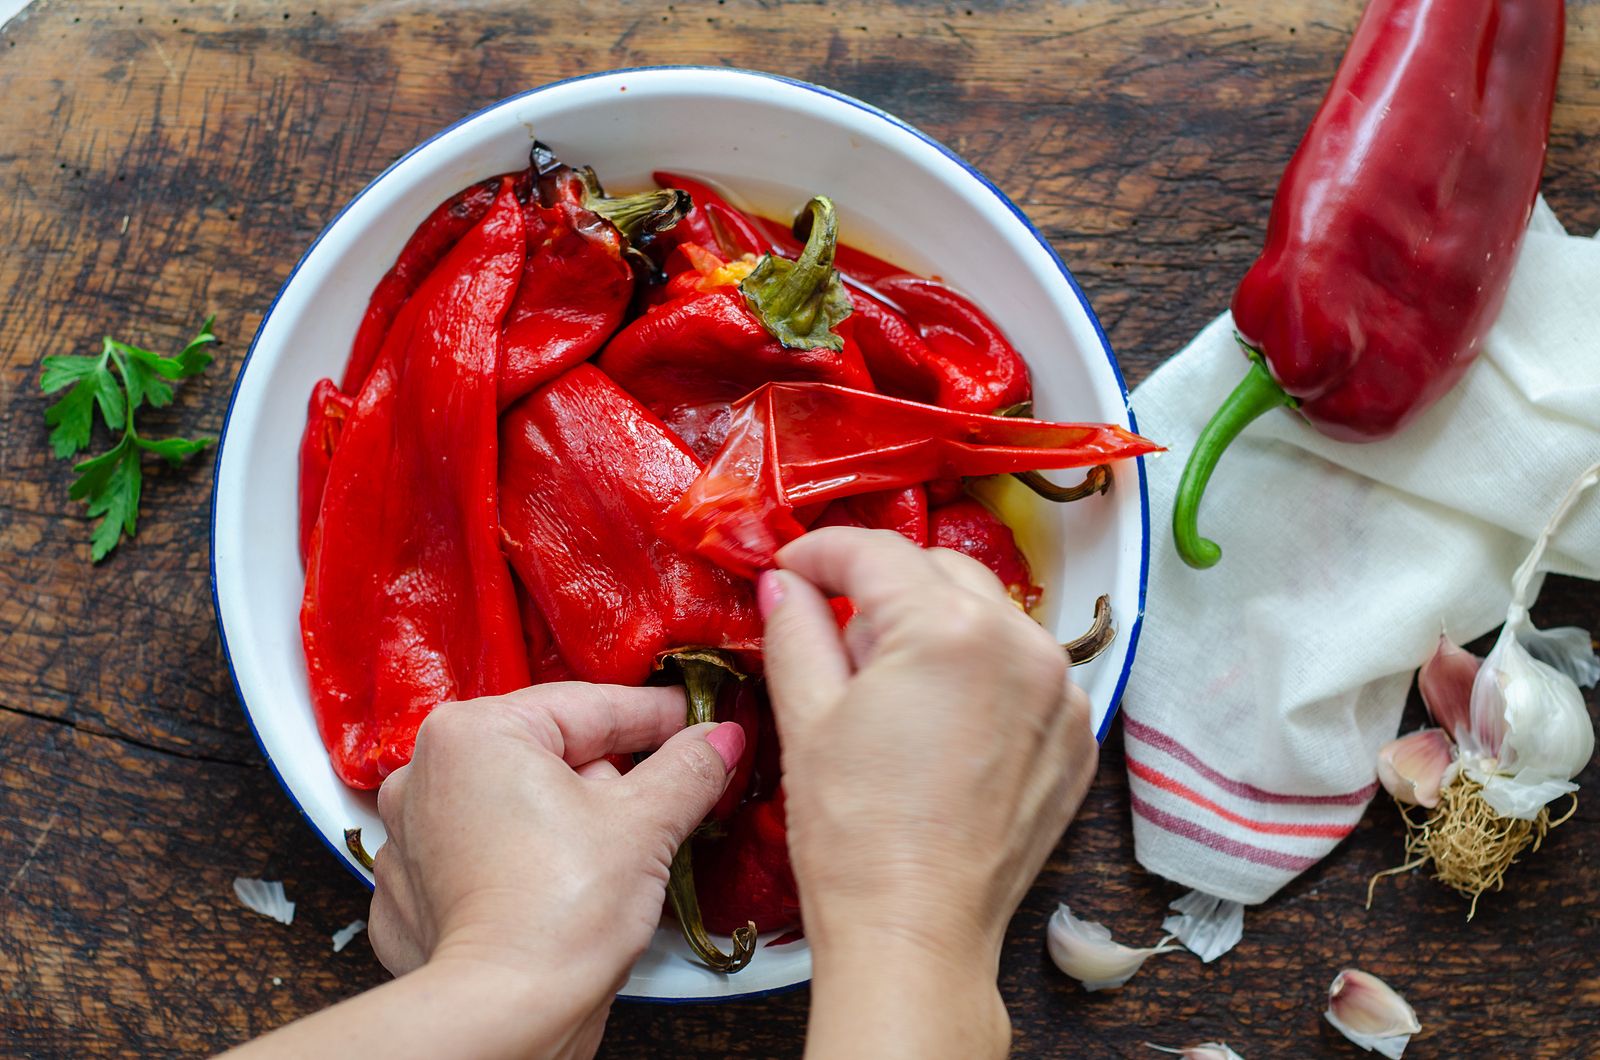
(1413, 768)
(1367, 1011)
(1084, 950)
(1530, 732)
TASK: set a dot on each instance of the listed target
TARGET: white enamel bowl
(775, 142)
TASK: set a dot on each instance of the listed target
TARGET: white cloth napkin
(1264, 686)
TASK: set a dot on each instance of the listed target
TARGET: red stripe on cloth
(1158, 779)
(1275, 859)
(1162, 742)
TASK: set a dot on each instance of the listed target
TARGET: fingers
(807, 666)
(582, 722)
(676, 787)
(599, 769)
(968, 573)
(869, 566)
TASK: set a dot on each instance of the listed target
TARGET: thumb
(678, 785)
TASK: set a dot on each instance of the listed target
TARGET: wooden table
(162, 161)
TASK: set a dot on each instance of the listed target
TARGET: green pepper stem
(703, 674)
(638, 217)
(1256, 394)
(800, 301)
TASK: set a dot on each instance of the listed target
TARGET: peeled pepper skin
(408, 600)
(1393, 235)
(586, 472)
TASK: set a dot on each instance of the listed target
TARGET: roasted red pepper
(585, 474)
(688, 360)
(745, 877)
(713, 223)
(408, 600)
(1395, 228)
(857, 266)
(794, 444)
(578, 281)
(969, 362)
(324, 420)
(428, 245)
(970, 528)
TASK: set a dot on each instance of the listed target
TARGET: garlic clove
(1203, 1051)
(1367, 1011)
(1412, 768)
(1445, 682)
(1084, 950)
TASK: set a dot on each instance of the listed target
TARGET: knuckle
(952, 619)
(701, 764)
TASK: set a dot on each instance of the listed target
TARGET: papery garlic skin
(1203, 1051)
(1084, 950)
(1445, 682)
(1413, 767)
(1207, 926)
(1367, 1011)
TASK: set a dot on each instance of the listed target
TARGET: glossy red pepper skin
(575, 290)
(408, 600)
(325, 417)
(689, 360)
(794, 444)
(742, 702)
(1393, 235)
(713, 223)
(745, 875)
(585, 473)
(428, 245)
(1397, 223)
(974, 367)
(972, 529)
(1395, 228)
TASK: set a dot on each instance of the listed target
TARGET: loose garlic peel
(1524, 735)
(1085, 950)
(1203, 1051)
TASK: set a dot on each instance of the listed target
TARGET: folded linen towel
(1264, 686)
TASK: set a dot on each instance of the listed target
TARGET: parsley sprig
(117, 382)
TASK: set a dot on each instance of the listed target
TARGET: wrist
(890, 993)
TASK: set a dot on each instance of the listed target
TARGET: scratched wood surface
(160, 161)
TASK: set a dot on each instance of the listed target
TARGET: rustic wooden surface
(162, 161)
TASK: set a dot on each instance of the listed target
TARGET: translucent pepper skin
(1393, 235)
(408, 600)
(585, 473)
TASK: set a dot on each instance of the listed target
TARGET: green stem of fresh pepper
(1256, 394)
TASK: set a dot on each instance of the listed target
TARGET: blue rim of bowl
(973, 171)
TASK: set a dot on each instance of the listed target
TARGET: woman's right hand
(932, 756)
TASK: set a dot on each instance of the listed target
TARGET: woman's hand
(932, 756)
(522, 875)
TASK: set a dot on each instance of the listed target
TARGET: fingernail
(769, 592)
(728, 741)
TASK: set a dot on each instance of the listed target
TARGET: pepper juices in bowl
(479, 204)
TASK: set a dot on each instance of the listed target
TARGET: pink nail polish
(728, 741)
(769, 592)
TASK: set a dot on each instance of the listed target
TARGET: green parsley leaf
(117, 382)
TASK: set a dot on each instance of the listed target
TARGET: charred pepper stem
(1098, 480)
(1256, 394)
(800, 301)
(1088, 647)
(703, 673)
(352, 842)
(638, 217)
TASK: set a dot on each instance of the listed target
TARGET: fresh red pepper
(970, 528)
(578, 280)
(1393, 235)
(744, 876)
(428, 245)
(794, 444)
(688, 360)
(408, 600)
(325, 418)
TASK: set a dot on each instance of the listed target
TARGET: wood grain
(161, 161)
